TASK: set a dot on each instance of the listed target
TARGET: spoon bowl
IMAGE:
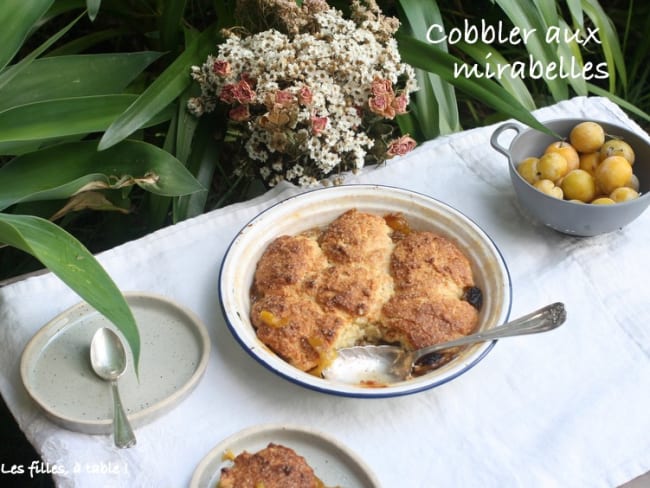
(108, 360)
(384, 364)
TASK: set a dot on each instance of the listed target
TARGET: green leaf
(17, 17)
(170, 24)
(67, 258)
(596, 90)
(93, 8)
(79, 75)
(63, 117)
(514, 85)
(436, 108)
(567, 50)
(548, 11)
(85, 43)
(162, 92)
(425, 56)
(8, 74)
(610, 45)
(64, 170)
(201, 162)
(525, 15)
(575, 9)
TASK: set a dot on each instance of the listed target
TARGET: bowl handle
(500, 130)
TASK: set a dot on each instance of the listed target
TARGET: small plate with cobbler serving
(362, 264)
(282, 455)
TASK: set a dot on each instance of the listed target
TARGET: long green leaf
(568, 50)
(481, 52)
(202, 162)
(63, 117)
(17, 17)
(8, 74)
(61, 171)
(75, 76)
(575, 9)
(67, 258)
(610, 45)
(163, 91)
(82, 44)
(436, 105)
(170, 23)
(425, 56)
(60, 7)
(93, 8)
(596, 90)
(548, 11)
(524, 14)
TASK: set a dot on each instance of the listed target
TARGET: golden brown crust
(357, 237)
(275, 466)
(353, 289)
(422, 320)
(295, 327)
(422, 262)
(288, 260)
(360, 279)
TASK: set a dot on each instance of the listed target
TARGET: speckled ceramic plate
(333, 463)
(55, 365)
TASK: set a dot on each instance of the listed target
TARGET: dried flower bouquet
(310, 103)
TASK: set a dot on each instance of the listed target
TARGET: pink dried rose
(284, 98)
(221, 67)
(381, 86)
(240, 113)
(401, 146)
(318, 124)
(245, 93)
(400, 103)
(237, 92)
(227, 94)
(305, 96)
(252, 82)
(382, 105)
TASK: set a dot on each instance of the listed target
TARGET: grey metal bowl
(564, 216)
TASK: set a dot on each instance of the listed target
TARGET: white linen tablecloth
(566, 409)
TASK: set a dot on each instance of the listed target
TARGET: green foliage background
(97, 148)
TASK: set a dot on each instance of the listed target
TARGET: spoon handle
(546, 318)
(122, 432)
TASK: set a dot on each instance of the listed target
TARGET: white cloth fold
(567, 409)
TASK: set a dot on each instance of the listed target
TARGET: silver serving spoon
(382, 365)
(108, 360)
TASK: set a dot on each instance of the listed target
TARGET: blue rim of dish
(366, 392)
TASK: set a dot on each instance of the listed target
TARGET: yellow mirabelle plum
(579, 185)
(612, 172)
(589, 161)
(587, 137)
(567, 151)
(549, 188)
(623, 194)
(633, 182)
(617, 147)
(528, 170)
(603, 201)
(552, 166)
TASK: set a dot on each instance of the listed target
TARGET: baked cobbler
(363, 279)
